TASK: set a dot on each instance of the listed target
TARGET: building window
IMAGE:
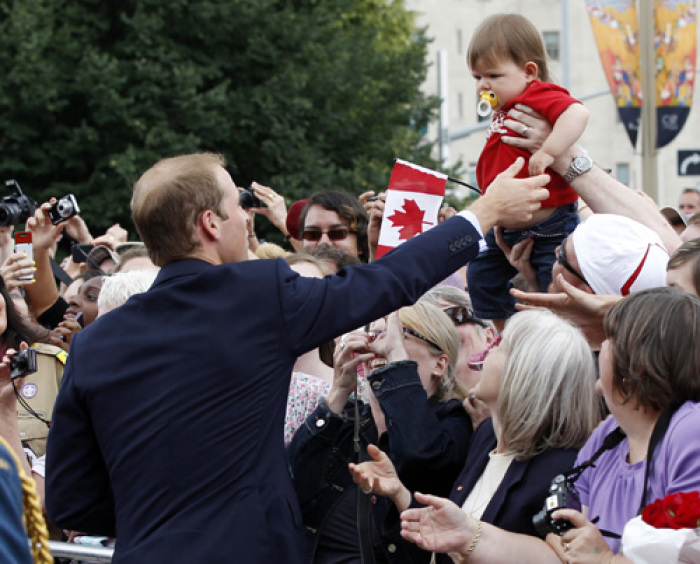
(460, 105)
(622, 172)
(471, 171)
(459, 41)
(551, 42)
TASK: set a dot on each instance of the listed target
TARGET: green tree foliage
(301, 95)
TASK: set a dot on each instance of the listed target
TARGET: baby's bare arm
(567, 130)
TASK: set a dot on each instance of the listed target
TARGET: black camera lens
(10, 214)
(64, 208)
(15, 207)
(248, 199)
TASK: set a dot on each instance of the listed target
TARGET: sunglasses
(476, 361)
(374, 335)
(334, 234)
(462, 314)
(561, 258)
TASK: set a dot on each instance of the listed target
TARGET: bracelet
(252, 236)
(475, 540)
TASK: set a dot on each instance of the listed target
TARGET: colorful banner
(675, 47)
(616, 32)
(413, 200)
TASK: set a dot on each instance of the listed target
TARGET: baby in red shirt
(508, 60)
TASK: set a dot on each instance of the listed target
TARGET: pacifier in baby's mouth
(487, 102)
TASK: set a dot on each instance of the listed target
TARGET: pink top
(305, 391)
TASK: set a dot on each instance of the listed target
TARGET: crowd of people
(200, 395)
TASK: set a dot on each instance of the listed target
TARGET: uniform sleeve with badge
(38, 392)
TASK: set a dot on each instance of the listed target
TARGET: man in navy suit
(167, 432)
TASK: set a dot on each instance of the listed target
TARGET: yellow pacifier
(487, 102)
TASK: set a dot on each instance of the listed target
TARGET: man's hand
(536, 132)
(581, 308)
(519, 258)
(510, 200)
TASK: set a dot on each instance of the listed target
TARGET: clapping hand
(442, 526)
(379, 476)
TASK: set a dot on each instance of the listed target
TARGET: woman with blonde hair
(411, 411)
(539, 384)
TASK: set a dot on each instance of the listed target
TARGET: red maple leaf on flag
(410, 220)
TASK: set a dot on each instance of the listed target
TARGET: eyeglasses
(374, 335)
(462, 314)
(476, 361)
(334, 234)
(561, 258)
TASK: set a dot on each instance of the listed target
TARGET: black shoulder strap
(657, 435)
(60, 274)
(364, 505)
(610, 441)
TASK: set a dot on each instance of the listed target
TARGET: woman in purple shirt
(649, 367)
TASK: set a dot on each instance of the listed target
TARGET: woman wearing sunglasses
(410, 411)
(335, 219)
(475, 336)
(538, 381)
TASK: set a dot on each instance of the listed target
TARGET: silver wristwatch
(581, 164)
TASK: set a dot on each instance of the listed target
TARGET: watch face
(582, 163)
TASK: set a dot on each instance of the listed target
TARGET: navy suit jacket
(168, 428)
(523, 490)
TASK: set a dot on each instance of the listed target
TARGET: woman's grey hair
(433, 324)
(119, 287)
(547, 397)
(438, 295)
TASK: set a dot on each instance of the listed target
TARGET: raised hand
(276, 207)
(17, 265)
(379, 476)
(442, 526)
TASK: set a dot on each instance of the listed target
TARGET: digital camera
(23, 363)
(248, 199)
(562, 495)
(63, 209)
(15, 207)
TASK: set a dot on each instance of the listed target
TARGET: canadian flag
(413, 199)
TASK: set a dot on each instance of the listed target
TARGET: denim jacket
(426, 440)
